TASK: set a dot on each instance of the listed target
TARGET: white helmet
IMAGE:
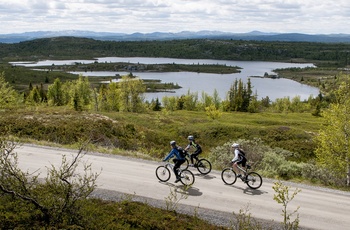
(190, 138)
(172, 143)
(235, 145)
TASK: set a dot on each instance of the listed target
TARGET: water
(204, 82)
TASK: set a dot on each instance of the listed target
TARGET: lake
(204, 82)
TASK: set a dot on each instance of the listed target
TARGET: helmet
(172, 143)
(235, 145)
(190, 138)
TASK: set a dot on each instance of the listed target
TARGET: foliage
(54, 201)
(244, 221)
(275, 164)
(239, 96)
(173, 199)
(8, 96)
(55, 93)
(333, 151)
(212, 112)
(130, 96)
(283, 197)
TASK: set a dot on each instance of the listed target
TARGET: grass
(149, 133)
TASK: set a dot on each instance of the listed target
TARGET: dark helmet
(190, 138)
(172, 143)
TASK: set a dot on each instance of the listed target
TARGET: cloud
(128, 16)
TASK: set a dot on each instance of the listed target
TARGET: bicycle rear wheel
(187, 177)
(228, 176)
(253, 180)
(163, 173)
(203, 166)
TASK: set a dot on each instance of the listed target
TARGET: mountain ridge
(204, 34)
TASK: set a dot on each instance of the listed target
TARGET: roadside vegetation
(285, 139)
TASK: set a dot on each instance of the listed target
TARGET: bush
(316, 173)
(275, 164)
(289, 169)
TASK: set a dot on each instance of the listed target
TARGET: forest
(286, 139)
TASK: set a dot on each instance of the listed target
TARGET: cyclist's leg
(176, 167)
(191, 158)
(244, 162)
(195, 155)
(235, 168)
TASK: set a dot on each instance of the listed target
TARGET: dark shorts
(242, 161)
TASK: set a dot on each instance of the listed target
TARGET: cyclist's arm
(170, 155)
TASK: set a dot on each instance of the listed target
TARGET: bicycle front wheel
(203, 166)
(163, 173)
(253, 180)
(187, 177)
(228, 176)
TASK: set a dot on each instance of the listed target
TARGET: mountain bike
(163, 174)
(252, 179)
(203, 165)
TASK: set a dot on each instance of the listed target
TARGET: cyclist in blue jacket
(178, 161)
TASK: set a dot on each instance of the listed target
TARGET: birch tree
(333, 150)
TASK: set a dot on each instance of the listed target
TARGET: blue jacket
(174, 152)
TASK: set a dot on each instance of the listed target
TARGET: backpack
(182, 152)
(242, 153)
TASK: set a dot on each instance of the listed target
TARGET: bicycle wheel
(163, 173)
(253, 180)
(228, 176)
(185, 164)
(187, 177)
(203, 166)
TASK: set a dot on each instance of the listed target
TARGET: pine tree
(55, 93)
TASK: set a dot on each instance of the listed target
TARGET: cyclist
(197, 147)
(179, 158)
(239, 158)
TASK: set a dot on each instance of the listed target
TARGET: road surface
(319, 208)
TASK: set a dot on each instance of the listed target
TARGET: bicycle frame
(245, 171)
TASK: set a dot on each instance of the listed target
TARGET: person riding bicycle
(239, 159)
(179, 159)
(197, 147)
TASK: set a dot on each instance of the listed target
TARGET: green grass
(149, 133)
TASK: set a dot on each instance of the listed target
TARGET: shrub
(289, 169)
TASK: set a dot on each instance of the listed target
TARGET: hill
(109, 36)
(69, 47)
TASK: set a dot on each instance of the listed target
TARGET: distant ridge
(110, 36)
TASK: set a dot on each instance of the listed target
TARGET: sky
(147, 16)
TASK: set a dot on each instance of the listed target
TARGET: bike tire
(187, 177)
(203, 166)
(228, 176)
(185, 164)
(253, 180)
(163, 173)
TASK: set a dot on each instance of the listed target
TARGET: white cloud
(128, 16)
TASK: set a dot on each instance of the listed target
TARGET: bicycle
(252, 179)
(163, 174)
(203, 165)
